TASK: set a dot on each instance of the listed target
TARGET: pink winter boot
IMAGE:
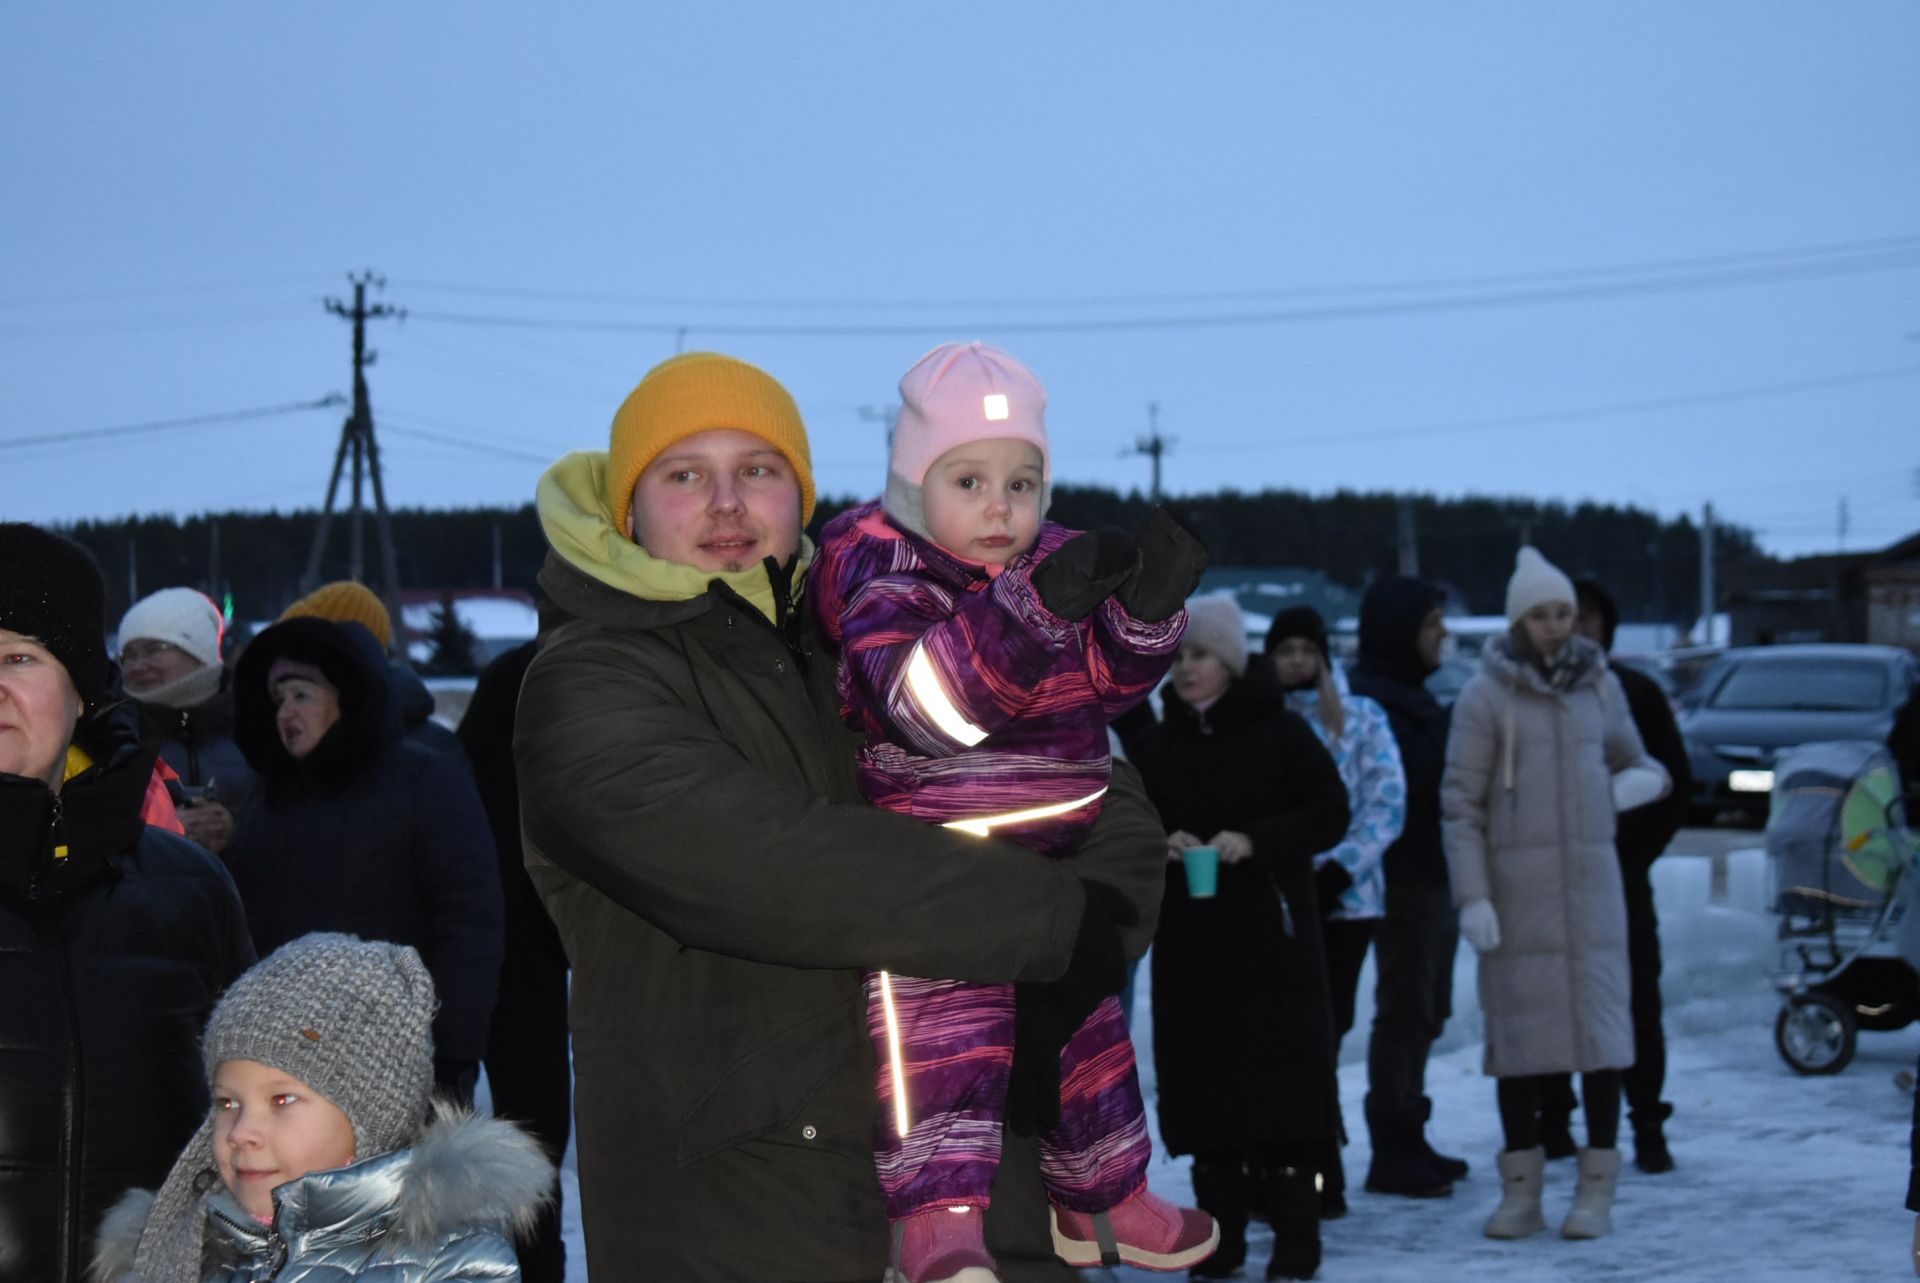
(941, 1245)
(1142, 1230)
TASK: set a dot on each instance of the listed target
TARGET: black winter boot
(1292, 1199)
(1454, 1169)
(1221, 1190)
(1399, 1166)
(1333, 1184)
(1650, 1152)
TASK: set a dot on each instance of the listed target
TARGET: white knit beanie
(179, 616)
(1535, 580)
(1216, 625)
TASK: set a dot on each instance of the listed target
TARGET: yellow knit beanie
(697, 392)
(345, 602)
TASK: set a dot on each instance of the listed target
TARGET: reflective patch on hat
(996, 406)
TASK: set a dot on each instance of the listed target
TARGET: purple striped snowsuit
(979, 705)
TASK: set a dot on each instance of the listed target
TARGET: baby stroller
(1841, 856)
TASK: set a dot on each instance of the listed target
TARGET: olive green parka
(691, 820)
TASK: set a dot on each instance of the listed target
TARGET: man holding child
(692, 820)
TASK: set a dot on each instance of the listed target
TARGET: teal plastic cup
(1203, 871)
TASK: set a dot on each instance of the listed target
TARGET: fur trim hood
(465, 1174)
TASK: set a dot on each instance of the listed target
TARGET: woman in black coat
(1242, 1024)
(361, 830)
(115, 937)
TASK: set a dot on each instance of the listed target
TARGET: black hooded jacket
(111, 956)
(369, 833)
(1390, 671)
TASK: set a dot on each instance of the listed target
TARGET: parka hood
(369, 720)
(1390, 615)
(585, 536)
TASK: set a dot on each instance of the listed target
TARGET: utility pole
(1409, 545)
(1843, 524)
(1154, 446)
(1707, 597)
(357, 442)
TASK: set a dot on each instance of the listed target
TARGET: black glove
(1172, 559)
(1083, 572)
(1330, 880)
(1046, 1014)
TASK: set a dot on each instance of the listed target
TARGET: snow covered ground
(1779, 1176)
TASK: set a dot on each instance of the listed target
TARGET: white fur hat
(1216, 625)
(180, 616)
(1535, 580)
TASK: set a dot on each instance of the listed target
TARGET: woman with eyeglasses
(170, 662)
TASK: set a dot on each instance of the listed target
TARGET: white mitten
(1480, 925)
(1637, 786)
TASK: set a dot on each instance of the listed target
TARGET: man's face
(1433, 632)
(718, 500)
(1591, 626)
(38, 710)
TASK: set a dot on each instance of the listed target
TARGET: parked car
(1756, 701)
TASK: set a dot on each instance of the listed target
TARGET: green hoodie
(571, 500)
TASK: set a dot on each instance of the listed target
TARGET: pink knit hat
(956, 394)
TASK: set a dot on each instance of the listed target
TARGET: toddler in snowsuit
(318, 1159)
(982, 651)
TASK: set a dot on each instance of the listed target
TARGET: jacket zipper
(72, 1132)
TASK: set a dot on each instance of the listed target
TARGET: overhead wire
(170, 425)
(1885, 244)
(1906, 258)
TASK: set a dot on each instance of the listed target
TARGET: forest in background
(1651, 565)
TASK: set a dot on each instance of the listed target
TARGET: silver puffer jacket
(440, 1211)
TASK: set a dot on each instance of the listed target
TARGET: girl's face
(270, 1128)
(1296, 661)
(1548, 626)
(304, 712)
(983, 500)
(1199, 675)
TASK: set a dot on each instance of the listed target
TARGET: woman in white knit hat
(170, 661)
(1541, 755)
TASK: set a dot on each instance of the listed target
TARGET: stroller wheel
(1815, 1033)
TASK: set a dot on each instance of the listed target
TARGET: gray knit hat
(350, 1018)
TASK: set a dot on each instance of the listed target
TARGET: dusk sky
(1644, 253)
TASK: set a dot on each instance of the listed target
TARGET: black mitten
(1172, 559)
(1046, 1014)
(1083, 572)
(1330, 882)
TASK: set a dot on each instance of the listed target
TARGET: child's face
(270, 1128)
(983, 500)
(1549, 625)
(1296, 660)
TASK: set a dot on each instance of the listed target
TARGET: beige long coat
(1528, 822)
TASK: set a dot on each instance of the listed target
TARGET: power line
(1605, 410)
(464, 443)
(1491, 299)
(167, 425)
(1879, 245)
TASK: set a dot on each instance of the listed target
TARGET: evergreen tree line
(1652, 566)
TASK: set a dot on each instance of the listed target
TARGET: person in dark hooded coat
(1401, 630)
(116, 937)
(1242, 1018)
(360, 830)
(1642, 835)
